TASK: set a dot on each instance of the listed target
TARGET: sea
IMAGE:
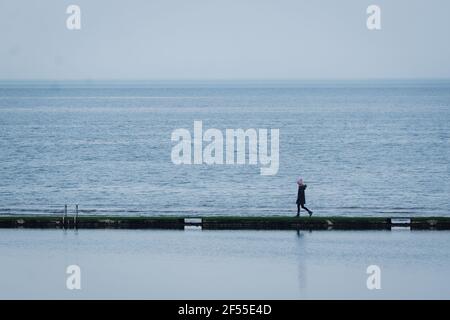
(364, 148)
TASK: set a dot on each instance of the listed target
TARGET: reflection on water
(302, 278)
(224, 264)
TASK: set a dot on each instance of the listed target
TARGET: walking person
(301, 200)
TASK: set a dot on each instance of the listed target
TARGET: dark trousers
(303, 206)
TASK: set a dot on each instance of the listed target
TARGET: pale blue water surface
(364, 148)
(194, 264)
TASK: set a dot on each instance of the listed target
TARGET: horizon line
(224, 79)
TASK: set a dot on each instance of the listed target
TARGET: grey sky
(224, 39)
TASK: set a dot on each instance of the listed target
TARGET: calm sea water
(169, 264)
(363, 148)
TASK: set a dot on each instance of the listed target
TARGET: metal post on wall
(76, 216)
(65, 216)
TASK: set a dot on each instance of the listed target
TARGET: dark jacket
(301, 194)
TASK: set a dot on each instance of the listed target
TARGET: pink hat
(300, 181)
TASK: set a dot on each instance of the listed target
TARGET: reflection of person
(301, 197)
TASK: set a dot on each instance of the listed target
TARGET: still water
(195, 264)
(364, 148)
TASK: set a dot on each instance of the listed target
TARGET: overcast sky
(224, 39)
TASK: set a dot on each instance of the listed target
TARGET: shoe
(310, 213)
(298, 215)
